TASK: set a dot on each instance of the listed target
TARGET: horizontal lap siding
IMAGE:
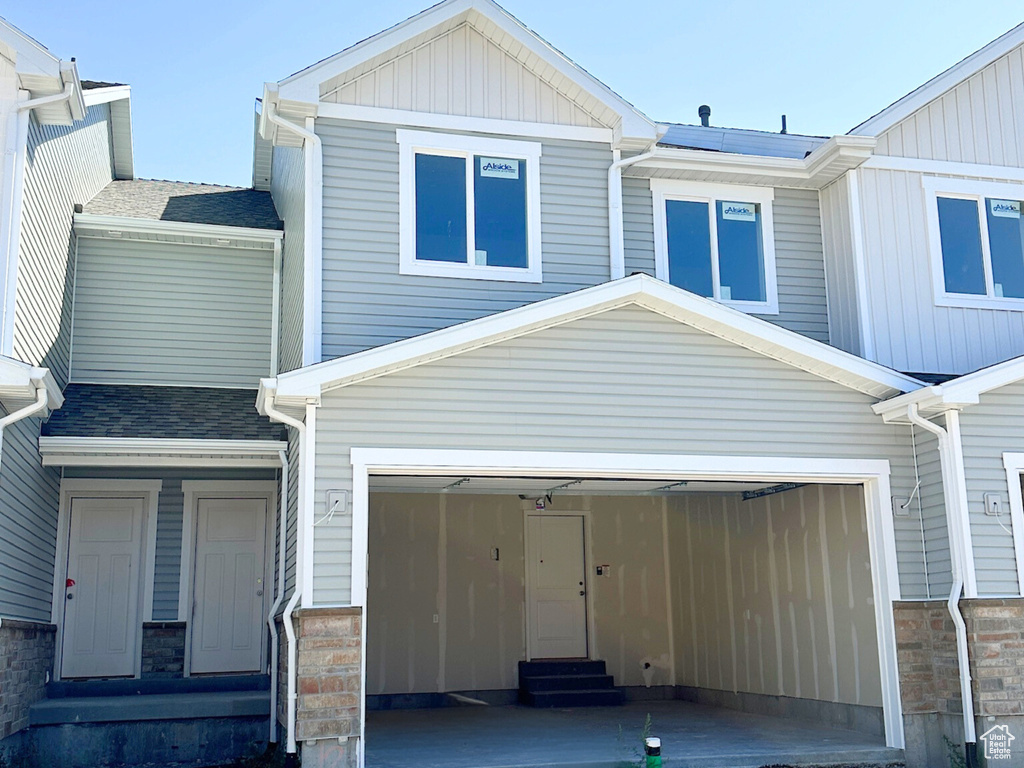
(155, 313)
(366, 303)
(994, 426)
(29, 499)
(928, 510)
(63, 166)
(799, 260)
(625, 381)
(288, 190)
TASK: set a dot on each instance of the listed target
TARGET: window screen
(740, 252)
(499, 190)
(689, 246)
(441, 208)
(960, 233)
(1006, 245)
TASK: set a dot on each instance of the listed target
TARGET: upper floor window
(469, 207)
(977, 242)
(717, 240)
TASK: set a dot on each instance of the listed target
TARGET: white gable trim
(927, 93)
(296, 387)
(304, 86)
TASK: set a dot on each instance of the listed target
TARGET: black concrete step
(607, 697)
(566, 682)
(68, 689)
(560, 667)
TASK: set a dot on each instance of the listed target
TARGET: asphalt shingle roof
(89, 85)
(186, 202)
(171, 413)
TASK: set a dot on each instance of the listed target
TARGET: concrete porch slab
(692, 736)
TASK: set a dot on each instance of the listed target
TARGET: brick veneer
(927, 656)
(163, 649)
(995, 636)
(26, 656)
(329, 654)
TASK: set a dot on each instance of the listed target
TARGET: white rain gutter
(42, 398)
(282, 548)
(286, 618)
(14, 185)
(952, 482)
(616, 231)
(312, 323)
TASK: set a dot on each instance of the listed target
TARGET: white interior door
(557, 599)
(101, 597)
(229, 591)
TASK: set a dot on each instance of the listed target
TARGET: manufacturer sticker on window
(1007, 209)
(739, 211)
(499, 168)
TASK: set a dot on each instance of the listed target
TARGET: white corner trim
(307, 534)
(961, 524)
(663, 190)
(405, 117)
(411, 143)
(1013, 463)
(864, 325)
(95, 225)
(873, 475)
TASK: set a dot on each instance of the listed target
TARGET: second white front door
(229, 593)
(557, 596)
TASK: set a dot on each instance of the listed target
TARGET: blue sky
(196, 67)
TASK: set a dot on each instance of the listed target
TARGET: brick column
(163, 649)
(329, 679)
(26, 655)
(995, 635)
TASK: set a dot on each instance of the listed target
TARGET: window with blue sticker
(470, 207)
(715, 241)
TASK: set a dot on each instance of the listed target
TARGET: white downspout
(951, 487)
(42, 398)
(289, 628)
(282, 548)
(14, 184)
(312, 322)
(616, 230)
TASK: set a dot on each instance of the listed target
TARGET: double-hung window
(976, 237)
(469, 207)
(716, 240)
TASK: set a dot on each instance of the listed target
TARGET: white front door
(101, 596)
(229, 595)
(557, 594)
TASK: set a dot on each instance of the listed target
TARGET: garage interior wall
(745, 591)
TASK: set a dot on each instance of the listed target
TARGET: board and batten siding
(799, 262)
(64, 165)
(625, 381)
(909, 332)
(367, 303)
(171, 313)
(981, 120)
(992, 427)
(288, 189)
(29, 498)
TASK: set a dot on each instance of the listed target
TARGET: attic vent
(705, 115)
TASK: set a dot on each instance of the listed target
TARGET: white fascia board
(33, 57)
(90, 224)
(642, 290)
(95, 96)
(823, 166)
(19, 381)
(138, 446)
(304, 86)
(938, 85)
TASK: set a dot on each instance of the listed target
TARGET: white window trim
(966, 189)
(1013, 463)
(663, 190)
(454, 145)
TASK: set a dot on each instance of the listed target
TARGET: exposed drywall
(773, 595)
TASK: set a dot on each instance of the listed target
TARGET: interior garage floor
(692, 736)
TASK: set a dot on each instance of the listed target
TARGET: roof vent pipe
(783, 125)
(705, 114)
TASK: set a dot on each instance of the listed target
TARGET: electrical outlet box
(900, 506)
(993, 504)
(337, 502)
(494, 553)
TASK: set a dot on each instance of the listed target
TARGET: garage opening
(544, 620)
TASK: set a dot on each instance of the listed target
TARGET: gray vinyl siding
(989, 429)
(799, 261)
(171, 313)
(29, 500)
(169, 520)
(928, 510)
(840, 270)
(63, 166)
(367, 303)
(628, 381)
(288, 190)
